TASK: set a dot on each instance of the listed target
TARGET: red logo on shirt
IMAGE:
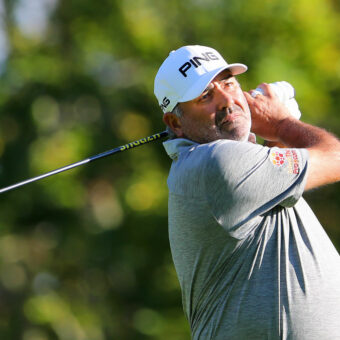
(287, 158)
(293, 161)
(278, 158)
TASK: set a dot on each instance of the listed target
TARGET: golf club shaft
(121, 148)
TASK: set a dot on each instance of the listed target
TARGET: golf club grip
(121, 148)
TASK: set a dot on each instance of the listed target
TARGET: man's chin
(239, 136)
(239, 131)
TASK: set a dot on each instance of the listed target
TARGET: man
(252, 260)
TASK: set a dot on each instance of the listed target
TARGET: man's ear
(174, 123)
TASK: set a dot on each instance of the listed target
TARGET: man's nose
(224, 99)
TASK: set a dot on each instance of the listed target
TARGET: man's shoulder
(212, 158)
(223, 149)
(181, 145)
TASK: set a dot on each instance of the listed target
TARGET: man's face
(220, 112)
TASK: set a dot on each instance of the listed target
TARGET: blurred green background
(84, 254)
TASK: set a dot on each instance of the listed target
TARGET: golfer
(252, 260)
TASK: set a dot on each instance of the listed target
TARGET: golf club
(121, 148)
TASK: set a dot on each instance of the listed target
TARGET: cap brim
(199, 86)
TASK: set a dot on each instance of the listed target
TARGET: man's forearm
(294, 133)
(323, 147)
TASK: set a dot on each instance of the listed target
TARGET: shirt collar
(174, 147)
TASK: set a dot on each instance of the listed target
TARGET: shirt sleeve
(245, 180)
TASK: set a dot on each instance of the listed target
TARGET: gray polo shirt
(252, 260)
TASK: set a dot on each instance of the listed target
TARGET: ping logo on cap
(165, 103)
(196, 62)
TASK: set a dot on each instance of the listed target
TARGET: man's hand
(267, 113)
(273, 122)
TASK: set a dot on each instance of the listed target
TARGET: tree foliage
(85, 254)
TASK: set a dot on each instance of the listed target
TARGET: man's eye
(227, 83)
(205, 95)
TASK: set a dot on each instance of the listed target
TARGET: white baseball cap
(187, 72)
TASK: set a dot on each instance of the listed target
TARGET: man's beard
(231, 123)
(229, 128)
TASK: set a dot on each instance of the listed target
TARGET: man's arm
(273, 122)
